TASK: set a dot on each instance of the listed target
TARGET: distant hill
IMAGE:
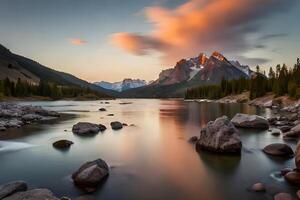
(120, 86)
(201, 70)
(15, 66)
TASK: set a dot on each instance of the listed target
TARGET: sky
(115, 39)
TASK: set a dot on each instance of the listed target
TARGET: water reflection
(151, 160)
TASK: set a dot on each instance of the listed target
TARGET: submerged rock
(35, 194)
(283, 196)
(279, 149)
(116, 125)
(86, 197)
(90, 175)
(258, 187)
(62, 144)
(11, 188)
(85, 128)
(220, 136)
(250, 121)
(276, 132)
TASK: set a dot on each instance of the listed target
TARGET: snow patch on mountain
(194, 70)
(120, 86)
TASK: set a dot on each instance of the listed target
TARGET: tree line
(281, 80)
(20, 88)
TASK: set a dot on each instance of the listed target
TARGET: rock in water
(116, 125)
(86, 197)
(297, 156)
(293, 177)
(250, 121)
(62, 144)
(279, 149)
(258, 187)
(102, 127)
(283, 196)
(102, 109)
(193, 139)
(90, 175)
(85, 128)
(2, 128)
(35, 194)
(294, 132)
(31, 117)
(220, 136)
(11, 188)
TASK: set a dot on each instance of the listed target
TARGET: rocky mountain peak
(218, 55)
(202, 58)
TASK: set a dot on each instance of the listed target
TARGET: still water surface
(151, 160)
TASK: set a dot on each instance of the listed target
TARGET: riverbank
(267, 101)
(15, 116)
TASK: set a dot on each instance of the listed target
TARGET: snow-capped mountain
(192, 72)
(203, 68)
(122, 85)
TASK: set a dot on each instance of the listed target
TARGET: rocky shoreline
(222, 137)
(15, 116)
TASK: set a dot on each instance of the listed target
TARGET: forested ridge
(21, 89)
(281, 80)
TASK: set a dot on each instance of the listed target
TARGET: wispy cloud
(77, 41)
(272, 36)
(202, 26)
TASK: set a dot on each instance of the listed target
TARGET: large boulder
(279, 149)
(11, 188)
(250, 121)
(35, 194)
(62, 144)
(85, 128)
(90, 175)
(116, 125)
(220, 136)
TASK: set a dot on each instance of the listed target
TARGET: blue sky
(43, 30)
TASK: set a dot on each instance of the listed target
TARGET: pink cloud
(77, 41)
(201, 26)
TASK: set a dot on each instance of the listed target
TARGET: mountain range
(187, 73)
(14, 66)
(124, 85)
(173, 82)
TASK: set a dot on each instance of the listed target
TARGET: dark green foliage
(281, 82)
(45, 89)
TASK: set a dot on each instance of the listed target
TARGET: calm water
(151, 160)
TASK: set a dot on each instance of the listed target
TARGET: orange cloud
(77, 41)
(201, 26)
